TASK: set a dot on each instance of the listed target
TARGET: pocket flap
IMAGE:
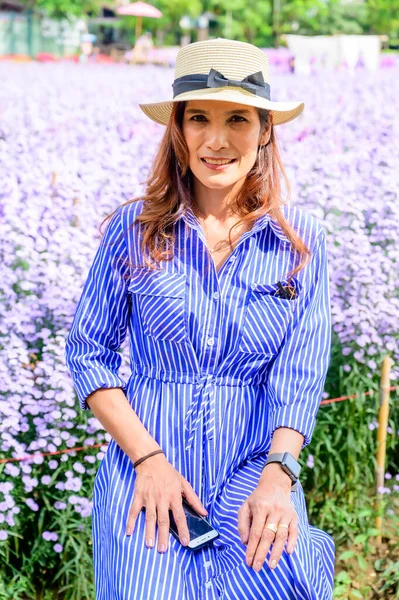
(157, 283)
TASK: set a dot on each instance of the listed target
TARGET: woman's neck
(216, 203)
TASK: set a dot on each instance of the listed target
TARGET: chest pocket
(160, 301)
(266, 320)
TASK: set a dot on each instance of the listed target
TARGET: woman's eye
(201, 118)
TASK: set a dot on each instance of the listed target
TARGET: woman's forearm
(284, 440)
(111, 407)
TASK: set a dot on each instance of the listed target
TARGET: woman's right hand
(158, 489)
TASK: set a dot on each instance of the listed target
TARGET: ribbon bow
(254, 83)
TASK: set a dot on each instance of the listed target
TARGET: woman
(229, 342)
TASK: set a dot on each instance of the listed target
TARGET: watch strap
(275, 457)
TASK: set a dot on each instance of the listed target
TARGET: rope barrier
(371, 393)
(77, 449)
(32, 456)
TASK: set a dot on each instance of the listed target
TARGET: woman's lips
(218, 167)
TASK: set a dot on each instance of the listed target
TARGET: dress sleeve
(297, 375)
(100, 322)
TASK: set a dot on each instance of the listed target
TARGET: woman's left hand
(269, 503)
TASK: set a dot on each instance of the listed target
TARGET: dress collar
(261, 222)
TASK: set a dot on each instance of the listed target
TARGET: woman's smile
(218, 164)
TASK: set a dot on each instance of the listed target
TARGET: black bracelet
(140, 460)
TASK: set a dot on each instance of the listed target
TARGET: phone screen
(197, 526)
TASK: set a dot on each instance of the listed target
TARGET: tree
(64, 9)
(251, 20)
(173, 11)
(383, 17)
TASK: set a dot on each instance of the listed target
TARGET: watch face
(292, 464)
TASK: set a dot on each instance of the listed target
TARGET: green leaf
(361, 538)
(346, 554)
(343, 577)
(355, 594)
(373, 532)
(362, 562)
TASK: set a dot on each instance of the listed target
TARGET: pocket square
(286, 292)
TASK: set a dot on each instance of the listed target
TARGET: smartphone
(201, 532)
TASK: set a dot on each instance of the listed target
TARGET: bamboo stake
(382, 439)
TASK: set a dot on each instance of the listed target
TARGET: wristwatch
(288, 463)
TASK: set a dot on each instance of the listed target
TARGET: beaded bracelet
(140, 460)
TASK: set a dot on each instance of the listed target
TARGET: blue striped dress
(218, 363)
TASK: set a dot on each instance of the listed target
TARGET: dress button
(215, 295)
(210, 341)
(207, 563)
(210, 377)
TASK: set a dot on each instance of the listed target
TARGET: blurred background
(52, 29)
(74, 145)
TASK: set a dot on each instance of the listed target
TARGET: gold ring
(271, 526)
(283, 525)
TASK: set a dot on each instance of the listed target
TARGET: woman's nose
(216, 138)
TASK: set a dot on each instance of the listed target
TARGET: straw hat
(226, 70)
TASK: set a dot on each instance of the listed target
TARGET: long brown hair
(169, 191)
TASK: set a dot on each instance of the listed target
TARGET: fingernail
(149, 543)
(273, 564)
(185, 541)
(162, 548)
(128, 531)
(258, 566)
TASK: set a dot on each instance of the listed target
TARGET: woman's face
(222, 139)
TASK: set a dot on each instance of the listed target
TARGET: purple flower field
(74, 145)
